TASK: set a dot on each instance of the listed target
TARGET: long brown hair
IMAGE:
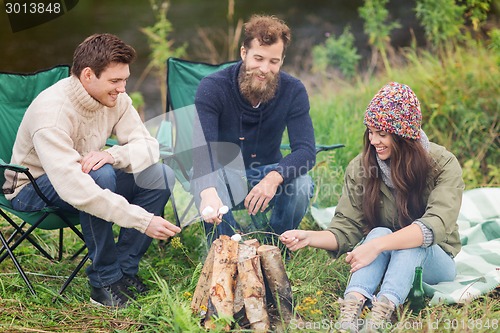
(410, 166)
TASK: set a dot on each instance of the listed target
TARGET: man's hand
(263, 192)
(96, 159)
(210, 206)
(160, 228)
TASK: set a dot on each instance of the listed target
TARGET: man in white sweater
(61, 140)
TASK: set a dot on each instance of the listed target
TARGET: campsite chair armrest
(110, 142)
(166, 151)
(285, 147)
(13, 167)
(25, 170)
(320, 148)
(169, 158)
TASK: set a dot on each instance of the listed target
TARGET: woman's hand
(321, 239)
(363, 255)
(295, 239)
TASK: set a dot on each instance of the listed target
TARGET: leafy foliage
(378, 27)
(441, 19)
(338, 53)
(477, 12)
(161, 44)
(494, 44)
(458, 110)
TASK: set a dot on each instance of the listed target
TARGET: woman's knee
(438, 266)
(379, 232)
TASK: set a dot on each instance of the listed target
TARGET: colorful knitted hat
(395, 109)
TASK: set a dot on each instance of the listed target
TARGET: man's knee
(105, 177)
(302, 186)
(170, 175)
(158, 177)
(167, 174)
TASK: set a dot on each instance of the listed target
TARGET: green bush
(442, 20)
(378, 27)
(337, 53)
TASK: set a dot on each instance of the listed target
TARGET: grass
(171, 270)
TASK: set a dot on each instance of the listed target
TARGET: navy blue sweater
(226, 116)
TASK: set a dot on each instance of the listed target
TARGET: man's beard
(257, 91)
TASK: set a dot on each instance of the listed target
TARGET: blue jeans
(394, 270)
(289, 205)
(110, 259)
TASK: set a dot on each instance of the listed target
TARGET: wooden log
(224, 276)
(208, 323)
(201, 292)
(274, 272)
(252, 242)
(244, 252)
(254, 293)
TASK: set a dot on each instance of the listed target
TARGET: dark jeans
(289, 205)
(110, 259)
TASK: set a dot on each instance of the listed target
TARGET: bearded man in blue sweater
(250, 104)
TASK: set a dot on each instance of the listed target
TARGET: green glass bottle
(416, 297)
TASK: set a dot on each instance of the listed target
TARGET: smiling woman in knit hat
(398, 210)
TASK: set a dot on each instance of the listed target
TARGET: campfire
(245, 281)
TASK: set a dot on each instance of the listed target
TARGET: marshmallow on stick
(209, 210)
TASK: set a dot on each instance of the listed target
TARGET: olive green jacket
(443, 195)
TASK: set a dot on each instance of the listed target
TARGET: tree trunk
(279, 284)
(254, 293)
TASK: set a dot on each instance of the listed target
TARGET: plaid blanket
(478, 264)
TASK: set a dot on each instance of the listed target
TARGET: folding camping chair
(183, 78)
(17, 91)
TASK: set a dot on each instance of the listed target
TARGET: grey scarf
(385, 166)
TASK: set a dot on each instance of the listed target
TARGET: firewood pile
(245, 281)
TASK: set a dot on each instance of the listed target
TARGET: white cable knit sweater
(61, 126)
